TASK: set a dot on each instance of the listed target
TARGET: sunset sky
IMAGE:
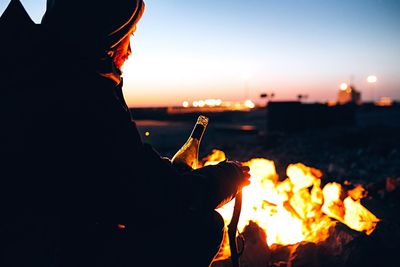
(237, 49)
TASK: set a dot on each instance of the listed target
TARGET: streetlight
(372, 79)
(301, 96)
(268, 96)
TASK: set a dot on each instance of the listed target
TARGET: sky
(235, 50)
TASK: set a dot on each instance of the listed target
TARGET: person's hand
(213, 186)
(233, 179)
(243, 173)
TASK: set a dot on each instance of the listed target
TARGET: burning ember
(295, 209)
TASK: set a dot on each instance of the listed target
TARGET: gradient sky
(237, 49)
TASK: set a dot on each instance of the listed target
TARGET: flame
(357, 193)
(214, 157)
(357, 217)
(295, 209)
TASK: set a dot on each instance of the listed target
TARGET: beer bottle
(187, 156)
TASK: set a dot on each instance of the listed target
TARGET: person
(79, 187)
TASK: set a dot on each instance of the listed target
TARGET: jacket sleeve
(203, 189)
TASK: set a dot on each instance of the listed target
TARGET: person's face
(122, 51)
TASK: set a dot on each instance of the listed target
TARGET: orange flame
(295, 209)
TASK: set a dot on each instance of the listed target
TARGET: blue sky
(188, 50)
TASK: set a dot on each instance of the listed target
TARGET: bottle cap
(203, 120)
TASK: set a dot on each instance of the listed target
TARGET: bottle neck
(198, 131)
(199, 128)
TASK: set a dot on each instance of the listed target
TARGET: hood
(93, 25)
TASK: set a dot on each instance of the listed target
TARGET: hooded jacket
(79, 187)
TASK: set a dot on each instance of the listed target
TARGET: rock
(256, 251)
(378, 249)
(334, 250)
(280, 253)
(305, 254)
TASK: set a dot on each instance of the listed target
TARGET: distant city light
(343, 86)
(185, 104)
(213, 102)
(217, 105)
(249, 104)
(372, 79)
(331, 103)
(384, 102)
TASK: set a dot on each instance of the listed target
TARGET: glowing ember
(295, 209)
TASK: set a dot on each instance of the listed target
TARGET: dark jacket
(78, 185)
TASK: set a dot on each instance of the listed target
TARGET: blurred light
(372, 79)
(247, 127)
(384, 102)
(121, 226)
(147, 133)
(217, 105)
(210, 102)
(249, 104)
(343, 86)
(185, 104)
(331, 103)
(227, 104)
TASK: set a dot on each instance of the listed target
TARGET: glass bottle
(187, 156)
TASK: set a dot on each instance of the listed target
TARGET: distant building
(294, 116)
(348, 94)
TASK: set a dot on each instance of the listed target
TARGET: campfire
(292, 212)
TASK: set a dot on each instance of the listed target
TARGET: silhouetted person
(78, 185)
